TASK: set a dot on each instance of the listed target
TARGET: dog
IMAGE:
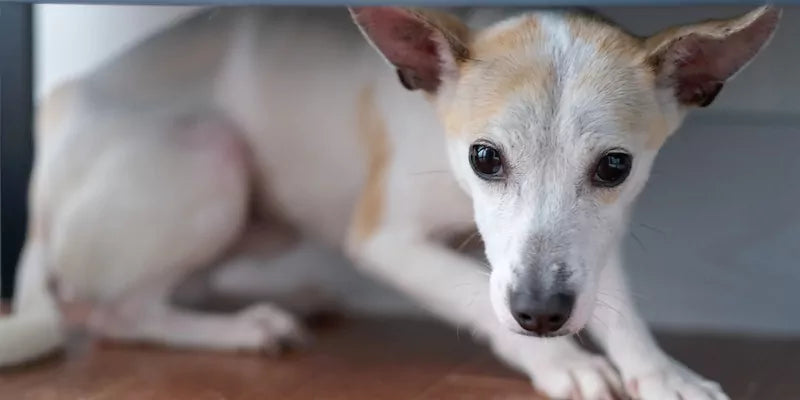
(237, 127)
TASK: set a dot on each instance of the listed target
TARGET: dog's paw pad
(581, 377)
(673, 382)
(271, 329)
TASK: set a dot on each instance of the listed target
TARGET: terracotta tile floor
(364, 359)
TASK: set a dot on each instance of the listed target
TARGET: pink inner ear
(700, 69)
(701, 64)
(406, 41)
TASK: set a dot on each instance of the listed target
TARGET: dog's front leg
(648, 372)
(456, 288)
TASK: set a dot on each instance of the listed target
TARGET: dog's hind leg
(163, 200)
(147, 315)
(271, 263)
(191, 312)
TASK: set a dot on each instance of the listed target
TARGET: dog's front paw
(672, 380)
(579, 376)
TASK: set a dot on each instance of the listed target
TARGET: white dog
(237, 124)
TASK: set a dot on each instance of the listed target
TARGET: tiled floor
(363, 359)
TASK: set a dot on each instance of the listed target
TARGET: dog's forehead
(550, 68)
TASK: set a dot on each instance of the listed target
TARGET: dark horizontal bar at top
(430, 3)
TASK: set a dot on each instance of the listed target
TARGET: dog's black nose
(541, 316)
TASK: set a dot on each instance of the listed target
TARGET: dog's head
(553, 121)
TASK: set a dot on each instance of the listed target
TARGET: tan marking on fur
(503, 41)
(608, 196)
(494, 75)
(502, 68)
(606, 37)
(658, 133)
(631, 51)
(52, 111)
(373, 135)
(461, 118)
(487, 95)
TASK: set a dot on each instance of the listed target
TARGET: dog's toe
(587, 377)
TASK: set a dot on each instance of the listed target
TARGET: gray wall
(718, 229)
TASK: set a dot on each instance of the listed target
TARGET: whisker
(580, 339)
(626, 292)
(608, 306)
(616, 297)
(623, 290)
(467, 241)
(485, 266)
(652, 228)
(620, 315)
(601, 322)
(636, 238)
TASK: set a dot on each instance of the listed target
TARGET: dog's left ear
(696, 60)
(425, 46)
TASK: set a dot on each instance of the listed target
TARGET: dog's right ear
(426, 47)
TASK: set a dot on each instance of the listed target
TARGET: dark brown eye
(486, 161)
(612, 169)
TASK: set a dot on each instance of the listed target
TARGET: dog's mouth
(546, 335)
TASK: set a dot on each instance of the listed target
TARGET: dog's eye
(486, 161)
(612, 169)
